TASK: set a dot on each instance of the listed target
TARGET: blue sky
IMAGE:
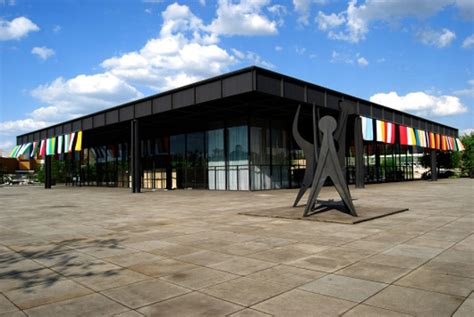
(62, 58)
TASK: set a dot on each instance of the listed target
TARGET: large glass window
(237, 154)
(260, 158)
(196, 167)
(280, 160)
(216, 159)
(177, 154)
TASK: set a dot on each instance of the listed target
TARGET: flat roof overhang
(254, 88)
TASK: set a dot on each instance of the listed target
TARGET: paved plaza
(107, 252)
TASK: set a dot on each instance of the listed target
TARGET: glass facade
(243, 154)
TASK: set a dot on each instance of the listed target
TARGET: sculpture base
(327, 213)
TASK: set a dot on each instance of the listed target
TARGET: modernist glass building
(232, 132)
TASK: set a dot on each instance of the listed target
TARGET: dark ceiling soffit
(187, 96)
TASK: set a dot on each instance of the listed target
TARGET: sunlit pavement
(104, 251)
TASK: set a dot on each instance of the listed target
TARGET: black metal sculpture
(329, 161)
(328, 166)
(310, 151)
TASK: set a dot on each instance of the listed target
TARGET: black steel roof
(244, 81)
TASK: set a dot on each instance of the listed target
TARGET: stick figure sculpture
(310, 153)
(328, 166)
(311, 150)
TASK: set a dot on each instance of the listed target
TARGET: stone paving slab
(144, 293)
(415, 302)
(301, 303)
(193, 304)
(343, 287)
(181, 253)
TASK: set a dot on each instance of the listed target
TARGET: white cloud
(337, 57)
(381, 60)
(353, 24)
(326, 22)
(252, 58)
(182, 54)
(300, 50)
(468, 41)
(66, 99)
(303, 8)
(243, 18)
(43, 52)
(362, 61)
(15, 127)
(467, 131)
(466, 8)
(184, 51)
(16, 29)
(421, 103)
(278, 48)
(57, 29)
(467, 92)
(441, 38)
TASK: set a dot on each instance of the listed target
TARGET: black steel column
(434, 167)
(359, 153)
(135, 157)
(47, 172)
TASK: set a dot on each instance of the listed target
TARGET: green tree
(446, 160)
(467, 156)
(58, 172)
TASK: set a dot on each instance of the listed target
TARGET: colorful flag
(14, 150)
(50, 146)
(438, 141)
(23, 149)
(403, 135)
(444, 143)
(42, 151)
(71, 142)
(79, 141)
(380, 130)
(411, 136)
(432, 140)
(385, 132)
(18, 151)
(60, 143)
(451, 143)
(34, 149)
(460, 145)
(367, 129)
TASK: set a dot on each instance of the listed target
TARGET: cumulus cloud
(466, 8)
(16, 28)
(66, 99)
(184, 51)
(362, 61)
(353, 24)
(348, 58)
(15, 127)
(303, 8)
(440, 38)
(468, 41)
(329, 21)
(421, 103)
(43, 52)
(467, 92)
(243, 18)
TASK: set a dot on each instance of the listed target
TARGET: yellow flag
(79, 141)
